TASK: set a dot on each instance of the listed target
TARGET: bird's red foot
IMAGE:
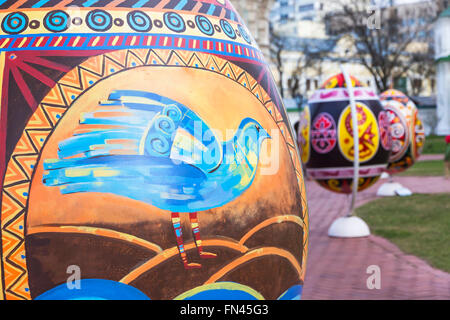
(207, 255)
(192, 265)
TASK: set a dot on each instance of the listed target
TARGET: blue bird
(153, 149)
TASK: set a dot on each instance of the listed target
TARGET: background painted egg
(326, 138)
(407, 146)
(106, 180)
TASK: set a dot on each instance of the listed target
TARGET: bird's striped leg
(197, 239)
(179, 235)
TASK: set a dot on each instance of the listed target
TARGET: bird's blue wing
(154, 180)
(180, 134)
(144, 123)
(116, 127)
(139, 145)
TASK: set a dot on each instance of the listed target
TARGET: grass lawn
(418, 225)
(425, 168)
(434, 145)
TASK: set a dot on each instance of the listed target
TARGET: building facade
(285, 11)
(255, 14)
(442, 43)
(304, 25)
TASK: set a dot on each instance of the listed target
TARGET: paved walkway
(428, 157)
(336, 268)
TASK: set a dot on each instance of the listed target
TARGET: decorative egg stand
(392, 189)
(351, 226)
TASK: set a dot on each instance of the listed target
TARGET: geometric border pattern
(213, 8)
(51, 109)
(117, 41)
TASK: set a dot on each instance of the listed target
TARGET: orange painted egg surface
(407, 130)
(144, 155)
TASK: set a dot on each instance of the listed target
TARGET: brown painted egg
(326, 136)
(407, 131)
(144, 155)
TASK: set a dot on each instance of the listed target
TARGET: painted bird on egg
(153, 149)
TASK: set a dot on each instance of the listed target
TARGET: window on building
(400, 83)
(316, 84)
(308, 84)
(417, 84)
(306, 7)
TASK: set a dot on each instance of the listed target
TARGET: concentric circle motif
(139, 21)
(323, 133)
(204, 25)
(244, 34)
(174, 22)
(368, 132)
(57, 21)
(15, 23)
(385, 134)
(399, 129)
(228, 29)
(99, 20)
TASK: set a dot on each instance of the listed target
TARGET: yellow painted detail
(369, 135)
(76, 172)
(220, 286)
(105, 173)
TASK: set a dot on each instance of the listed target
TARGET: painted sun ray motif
(44, 62)
(20, 61)
(165, 163)
(36, 74)
(29, 98)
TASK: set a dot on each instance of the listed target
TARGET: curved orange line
(260, 252)
(102, 232)
(169, 253)
(268, 222)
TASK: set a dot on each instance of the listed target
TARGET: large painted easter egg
(145, 154)
(326, 136)
(407, 130)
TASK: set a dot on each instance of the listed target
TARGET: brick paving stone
(428, 157)
(336, 268)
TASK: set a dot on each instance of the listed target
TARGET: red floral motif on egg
(323, 133)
